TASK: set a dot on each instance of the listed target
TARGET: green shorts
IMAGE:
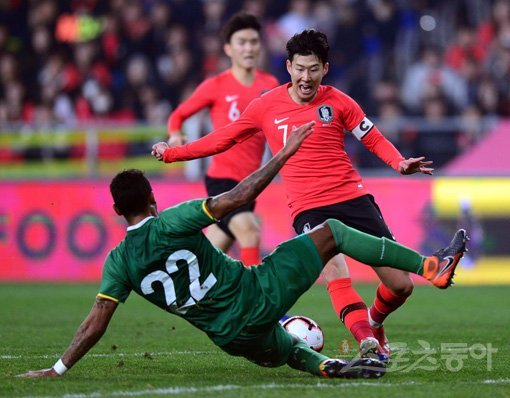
(282, 277)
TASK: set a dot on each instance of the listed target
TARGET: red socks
(350, 307)
(385, 303)
(250, 256)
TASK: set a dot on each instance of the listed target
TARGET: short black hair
(130, 191)
(309, 42)
(240, 21)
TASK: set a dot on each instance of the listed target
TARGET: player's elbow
(219, 206)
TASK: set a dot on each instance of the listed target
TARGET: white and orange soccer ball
(306, 329)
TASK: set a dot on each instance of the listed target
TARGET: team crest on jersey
(325, 113)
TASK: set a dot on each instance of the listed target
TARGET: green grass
(147, 352)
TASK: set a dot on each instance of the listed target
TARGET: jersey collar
(136, 226)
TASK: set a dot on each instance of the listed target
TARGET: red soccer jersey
(320, 173)
(227, 98)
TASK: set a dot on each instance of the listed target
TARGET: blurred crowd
(75, 61)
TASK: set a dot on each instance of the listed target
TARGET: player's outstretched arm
(87, 335)
(250, 187)
(384, 149)
(215, 142)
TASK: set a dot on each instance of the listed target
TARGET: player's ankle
(373, 323)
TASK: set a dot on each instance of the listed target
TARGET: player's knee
(248, 237)
(244, 223)
(335, 268)
(403, 287)
(252, 230)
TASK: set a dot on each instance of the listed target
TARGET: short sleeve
(351, 112)
(112, 285)
(186, 218)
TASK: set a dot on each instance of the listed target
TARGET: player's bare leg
(398, 281)
(245, 227)
(335, 268)
(219, 238)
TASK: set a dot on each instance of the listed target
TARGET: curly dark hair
(130, 190)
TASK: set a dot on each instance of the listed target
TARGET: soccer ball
(306, 329)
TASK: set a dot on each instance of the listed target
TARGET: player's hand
(159, 149)
(415, 165)
(297, 137)
(40, 373)
(176, 139)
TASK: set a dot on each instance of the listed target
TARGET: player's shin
(374, 251)
(385, 302)
(350, 308)
(304, 358)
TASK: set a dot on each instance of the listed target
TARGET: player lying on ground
(167, 260)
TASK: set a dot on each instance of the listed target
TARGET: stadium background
(86, 87)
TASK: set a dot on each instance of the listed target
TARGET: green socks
(376, 252)
(304, 358)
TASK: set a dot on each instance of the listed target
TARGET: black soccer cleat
(360, 368)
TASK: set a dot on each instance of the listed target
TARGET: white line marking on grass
(271, 386)
(497, 381)
(157, 391)
(201, 390)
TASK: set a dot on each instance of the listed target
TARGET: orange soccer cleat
(440, 267)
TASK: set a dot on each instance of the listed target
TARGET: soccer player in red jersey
(320, 179)
(227, 95)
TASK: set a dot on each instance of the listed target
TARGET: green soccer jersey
(169, 261)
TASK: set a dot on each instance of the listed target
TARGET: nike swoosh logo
(447, 267)
(230, 98)
(278, 121)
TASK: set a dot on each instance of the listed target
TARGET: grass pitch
(451, 343)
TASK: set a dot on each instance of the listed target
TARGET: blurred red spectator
(465, 48)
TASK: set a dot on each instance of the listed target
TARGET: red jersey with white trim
(226, 99)
(320, 173)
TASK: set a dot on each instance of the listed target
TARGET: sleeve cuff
(206, 210)
(104, 296)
